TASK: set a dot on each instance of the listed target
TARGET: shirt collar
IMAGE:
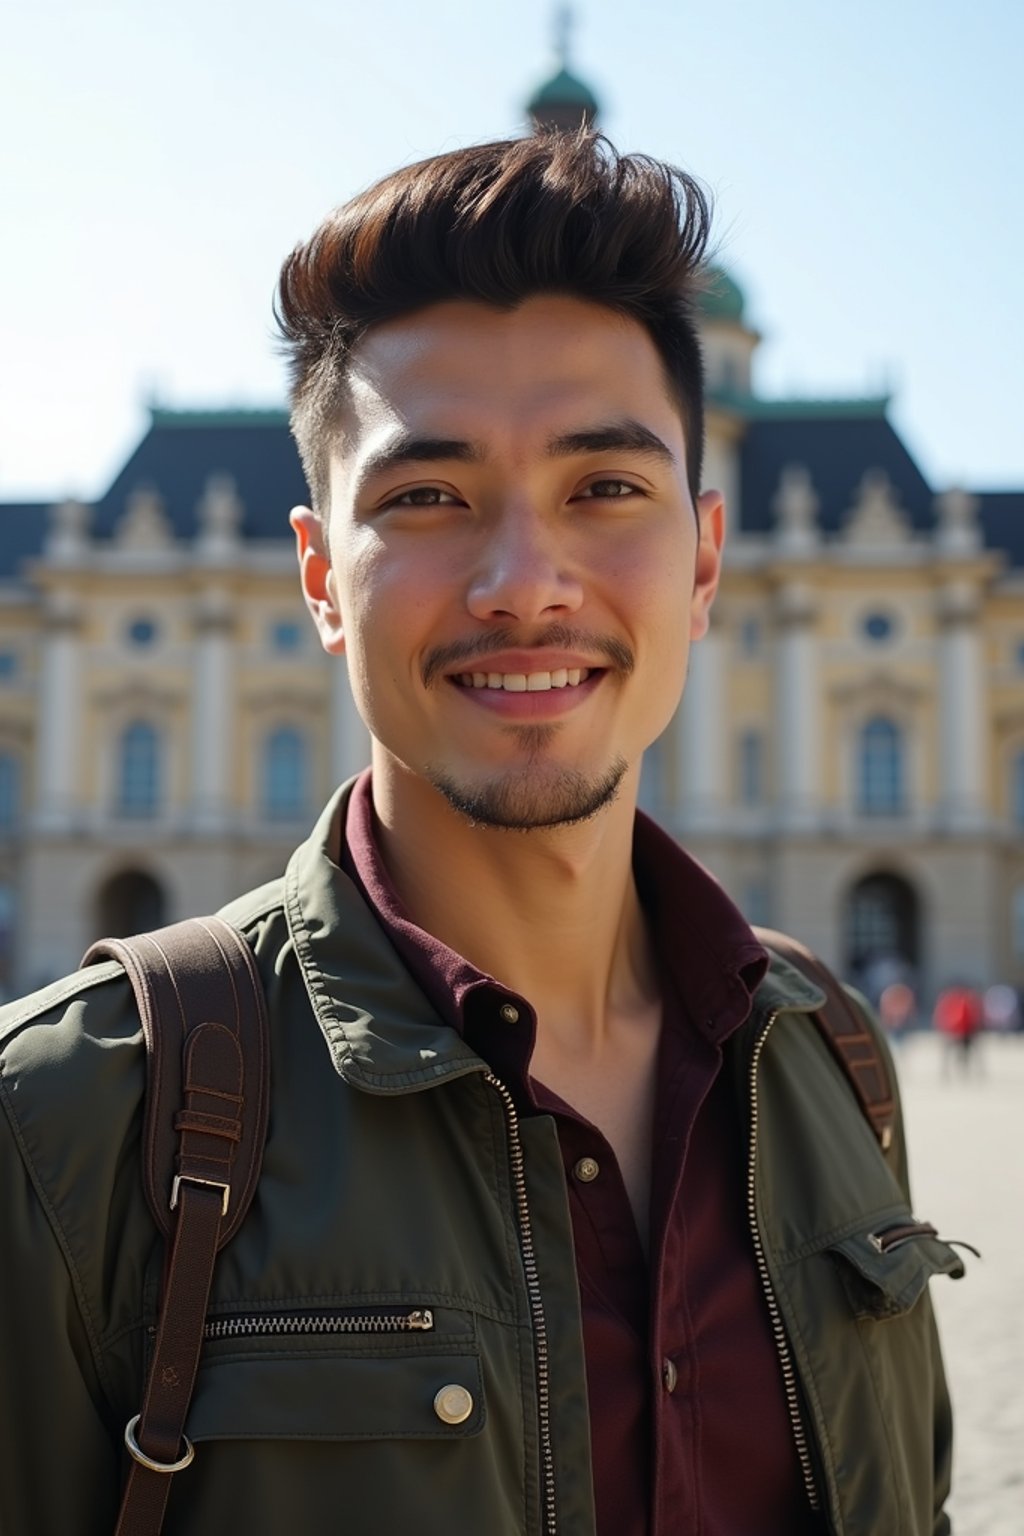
(707, 951)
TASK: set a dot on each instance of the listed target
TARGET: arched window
(10, 791)
(138, 779)
(751, 768)
(285, 774)
(880, 778)
(1018, 789)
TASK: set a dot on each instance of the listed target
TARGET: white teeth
(526, 682)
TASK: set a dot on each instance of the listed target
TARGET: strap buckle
(192, 1178)
(139, 1455)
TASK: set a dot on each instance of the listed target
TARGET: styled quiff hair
(497, 223)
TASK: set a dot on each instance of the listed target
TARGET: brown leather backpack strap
(204, 1019)
(851, 1043)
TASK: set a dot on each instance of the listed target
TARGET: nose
(524, 574)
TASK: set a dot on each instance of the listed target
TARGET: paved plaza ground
(967, 1167)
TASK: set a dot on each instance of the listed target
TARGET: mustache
(443, 658)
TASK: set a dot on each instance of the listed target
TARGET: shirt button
(669, 1374)
(453, 1404)
(586, 1170)
(509, 1013)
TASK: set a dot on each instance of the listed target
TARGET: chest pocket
(886, 1267)
(342, 1374)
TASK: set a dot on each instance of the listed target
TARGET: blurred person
(897, 1009)
(568, 1219)
(959, 1017)
(1001, 1009)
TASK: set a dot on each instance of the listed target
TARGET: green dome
(722, 299)
(562, 101)
(563, 89)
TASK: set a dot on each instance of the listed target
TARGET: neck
(552, 913)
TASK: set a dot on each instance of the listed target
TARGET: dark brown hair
(500, 222)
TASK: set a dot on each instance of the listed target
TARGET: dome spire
(563, 101)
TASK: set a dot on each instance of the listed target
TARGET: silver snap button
(669, 1374)
(509, 1013)
(587, 1170)
(453, 1404)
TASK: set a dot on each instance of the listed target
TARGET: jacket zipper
(419, 1320)
(540, 1333)
(778, 1331)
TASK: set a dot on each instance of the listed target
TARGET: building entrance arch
(130, 901)
(882, 931)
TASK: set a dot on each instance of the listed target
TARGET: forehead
(553, 360)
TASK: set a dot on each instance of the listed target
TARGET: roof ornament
(876, 519)
(67, 540)
(795, 505)
(144, 527)
(956, 514)
(564, 21)
(220, 514)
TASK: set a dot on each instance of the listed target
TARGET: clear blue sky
(157, 162)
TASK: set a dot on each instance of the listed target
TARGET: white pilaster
(962, 716)
(699, 728)
(350, 740)
(797, 713)
(212, 712)
(59, 715)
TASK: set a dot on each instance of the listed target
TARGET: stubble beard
(537, 794)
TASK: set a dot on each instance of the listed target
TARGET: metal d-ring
(140, 1456)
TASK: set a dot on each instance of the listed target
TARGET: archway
(882, 931)
(129, 902)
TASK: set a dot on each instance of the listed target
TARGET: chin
(527, 798)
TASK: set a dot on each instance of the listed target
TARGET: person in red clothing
(959, 1016)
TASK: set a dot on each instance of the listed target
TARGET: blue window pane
(287, 635)
(1018, 789)
(878, 626)
(881, 768)
(285, 775)
(751, 768)
(8, 665)
(138, 771)
(142, 632)
(10, 791)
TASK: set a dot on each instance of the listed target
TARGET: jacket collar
(396, 1042)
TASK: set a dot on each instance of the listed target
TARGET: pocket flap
(885, 1280)
(337, 1397)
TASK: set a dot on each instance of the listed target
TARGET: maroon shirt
(688, 1417)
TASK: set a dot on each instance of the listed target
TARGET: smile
(524, 682)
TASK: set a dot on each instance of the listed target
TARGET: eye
(423, 496)
(609, 490)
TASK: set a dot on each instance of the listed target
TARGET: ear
(319, 583)
(708, 569)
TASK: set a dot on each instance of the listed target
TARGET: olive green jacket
(410, 1234)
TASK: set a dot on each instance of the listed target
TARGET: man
(567, 1220)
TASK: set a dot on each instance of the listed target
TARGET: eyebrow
(625, 436)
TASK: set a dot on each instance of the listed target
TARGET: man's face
(516, 567)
